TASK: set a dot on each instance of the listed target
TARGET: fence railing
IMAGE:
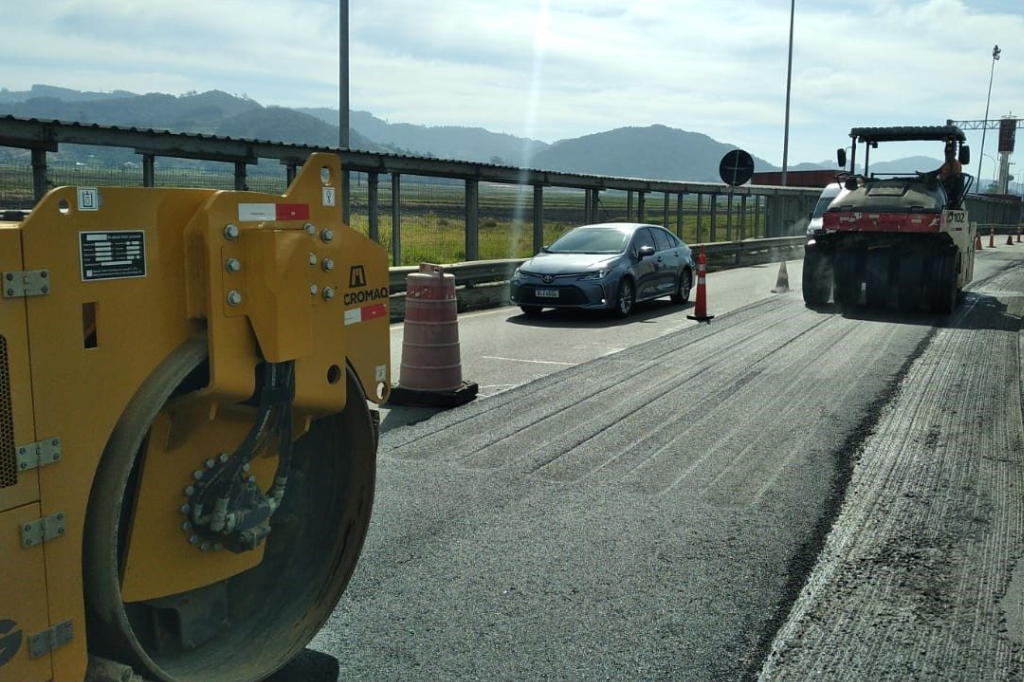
(426, 209)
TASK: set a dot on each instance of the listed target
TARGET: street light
(995, 57)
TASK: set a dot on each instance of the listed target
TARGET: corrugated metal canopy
(908, 133)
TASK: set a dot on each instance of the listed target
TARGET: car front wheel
(625, 298)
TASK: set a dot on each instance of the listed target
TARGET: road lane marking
(533, 362)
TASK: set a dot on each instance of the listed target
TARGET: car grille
(566, 296)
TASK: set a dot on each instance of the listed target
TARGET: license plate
(546, 293)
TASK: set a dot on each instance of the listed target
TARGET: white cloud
(717, 67)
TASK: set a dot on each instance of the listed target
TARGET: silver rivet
(210, 464)
(193, 540)
(313, 289)
(185, 509)
(24, 465)
(328, 264)
(327, 234)
(190, 491)
(328, 293)
(197, 474)
(252, 479)
(231, 231)
(312, 258)
(233, 265)
(186, 526)
(310, 229)
(204, 547)
(234, 298)
(223, 457)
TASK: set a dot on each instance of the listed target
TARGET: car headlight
(596, 274)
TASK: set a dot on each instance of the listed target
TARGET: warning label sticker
(112, 255)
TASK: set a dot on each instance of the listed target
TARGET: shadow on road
(308, 666)
(599, 319)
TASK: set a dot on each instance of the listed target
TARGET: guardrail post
(679, 214)
(538, 217)
(700, 218)
(714, 218)
(728, 217)
(396, 219)
(240, 176)
(472, 220)
(592, 203)
(39, 183)
(149, 170)
(743, 217)
(373, 205)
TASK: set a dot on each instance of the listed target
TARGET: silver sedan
(605, 266)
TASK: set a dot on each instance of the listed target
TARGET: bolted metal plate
(25, 283)
(34, 455)
(39, 531)
(50, 639)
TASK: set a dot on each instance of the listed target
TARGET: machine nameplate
(21, 283)
(51, 639)
(34, 455)
(116, 254)
(39, 531)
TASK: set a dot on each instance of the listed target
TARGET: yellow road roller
(187, 445)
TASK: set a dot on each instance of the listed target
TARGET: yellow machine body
(100, 286)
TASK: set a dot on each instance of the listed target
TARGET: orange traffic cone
(992, 238)
(431, 371)
(700, 310)
(782, 283)
(977, 242)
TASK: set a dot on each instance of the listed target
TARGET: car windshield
(591, 240)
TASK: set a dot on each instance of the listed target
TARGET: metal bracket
(23, 283)
(34, 455)
(39, 531)
(50, 639)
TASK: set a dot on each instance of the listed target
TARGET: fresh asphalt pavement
(785, 492)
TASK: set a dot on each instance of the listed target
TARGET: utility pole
(789, 82)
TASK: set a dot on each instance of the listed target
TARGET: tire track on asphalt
(912, 583)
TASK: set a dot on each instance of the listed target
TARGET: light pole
(789, 80)
(995, 57)
(995, 170)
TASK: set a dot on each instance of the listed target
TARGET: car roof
(622, 227)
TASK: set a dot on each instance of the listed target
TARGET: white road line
(534, 362)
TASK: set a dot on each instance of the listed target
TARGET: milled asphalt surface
(921, 577)
(659, 513)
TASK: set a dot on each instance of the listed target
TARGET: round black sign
(736, 167)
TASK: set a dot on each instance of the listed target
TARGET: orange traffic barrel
(431, 370)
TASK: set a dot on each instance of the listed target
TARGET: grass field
(432, 215)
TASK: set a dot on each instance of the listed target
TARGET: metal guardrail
(721, 255)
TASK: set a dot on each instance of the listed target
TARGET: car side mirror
(965, 155)
(841, 157)
(646, 251)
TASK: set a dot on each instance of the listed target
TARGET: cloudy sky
(554, 69)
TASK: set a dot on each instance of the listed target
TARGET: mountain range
(654, 152)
